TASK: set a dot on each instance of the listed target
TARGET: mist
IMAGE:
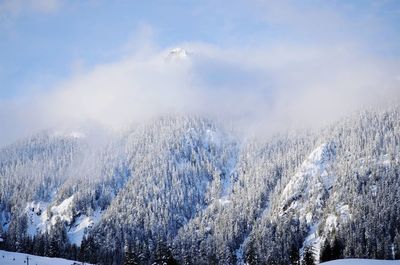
(262, 88)
(267, 90)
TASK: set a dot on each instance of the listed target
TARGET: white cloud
(262, 88)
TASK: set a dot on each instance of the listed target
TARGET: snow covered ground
(362, 262)
(15, 258)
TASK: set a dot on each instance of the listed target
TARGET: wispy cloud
(12, 10)
(270, 89)
(16, 7)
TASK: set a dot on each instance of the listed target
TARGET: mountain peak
(177, 54)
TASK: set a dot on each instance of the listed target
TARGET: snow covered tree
(185, 188)
(308, 256)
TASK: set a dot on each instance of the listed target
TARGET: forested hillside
(185, 189)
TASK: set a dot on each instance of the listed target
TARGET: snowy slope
(41, 218)
(15, 258)
(311, 180)
(361, 262)
(307, 191)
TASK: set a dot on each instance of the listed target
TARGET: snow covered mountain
(177, 54)
(187, 190)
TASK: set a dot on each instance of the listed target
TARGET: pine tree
(336, 250)
(164, 254)
(82, 251)
(251, 254)
(54, 248)
(2, 237)
(308, 256)
(90, 250)
(130, 258)
(294, 255)
(326, 252)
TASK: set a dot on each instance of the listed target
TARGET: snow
(224, 200)
(362, 262)
(313, 169)
(37, 217)
(330, 223)
(63, 211)
(83, 222)
(306, 191)
(177, 53)
(344, 211)
(385, 160)
(15, 258)
(41, 218)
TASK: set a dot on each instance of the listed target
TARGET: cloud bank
(261, 88)
(276, 88)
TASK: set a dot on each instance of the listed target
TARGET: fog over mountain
(253, 88)
(311, 65)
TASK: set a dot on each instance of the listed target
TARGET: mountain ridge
(183, 188)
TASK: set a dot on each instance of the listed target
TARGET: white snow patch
(177, 54)
(224, 200)
(385, 160)
(41, 218)
(81, 225)
(15, 258)
(312, 171)
(309, 217)
(361, 262)
(37, 217)
(63, 211)
(345, 214)
(330, 223)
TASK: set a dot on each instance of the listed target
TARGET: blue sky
(44, 45)
(41, 44)
(264, 54)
